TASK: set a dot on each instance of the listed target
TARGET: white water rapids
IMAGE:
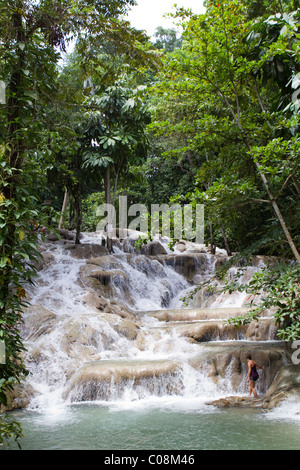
(68, 334)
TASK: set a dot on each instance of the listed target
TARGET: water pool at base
(98, 427)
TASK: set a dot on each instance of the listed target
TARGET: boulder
(105, 280)
(45, 260)
(92, 299)
(126, 234)
(107, 277)
(18, 398)
(37, 321)
(154, 248)
(262, 330)
(83, 338)
(186, 264)
(96, 301)
(102, 380)
(59, 234)
(196, 247)
(128, 245)
(181, 247)
(286, 382)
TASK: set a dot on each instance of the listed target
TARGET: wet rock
(197, 248)
(286, 381)
(87, 250)
(286, 384)
(232, 401)
(60, 234)
(181, 247)
(45, 260)
(262, 330)
(227, 361)
(186, 264)
(192, 314)
(105, 282)
(87, 335)
(107, 277)
(83, 338)
(209, 324)
(128, 245)
(249, 402)
(211, 331)
(123, 326)
(18, 398)
(154, 248)
(104, 379)
(96, 301)
(37, 321)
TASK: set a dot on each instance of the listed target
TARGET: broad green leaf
(22, 235)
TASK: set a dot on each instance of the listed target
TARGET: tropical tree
(247, 150)
(115, 134)
(32, 35)
(167, 39)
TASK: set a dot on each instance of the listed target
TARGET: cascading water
(107, 335)
(68, 335)
(151, 285)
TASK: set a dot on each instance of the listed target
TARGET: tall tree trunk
(78, 209)
(212, 240)
(64, 208)
(71, 214)
(116, 179)
(297, 186)
(108, 201)
(107, 185)
(227, 247)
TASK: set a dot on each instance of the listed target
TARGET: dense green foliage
(211, 117)
(40, 141)
(279, 287)
(225, 104)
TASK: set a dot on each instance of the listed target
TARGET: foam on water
(289, 411)
(152, 286)
(57, 286)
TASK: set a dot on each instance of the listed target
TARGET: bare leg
(252, 388)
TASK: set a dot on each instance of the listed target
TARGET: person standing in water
(252, 375)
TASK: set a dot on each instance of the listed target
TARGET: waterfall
(151, 285)
(112, 329)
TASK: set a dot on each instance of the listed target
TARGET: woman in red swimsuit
(252, 375)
